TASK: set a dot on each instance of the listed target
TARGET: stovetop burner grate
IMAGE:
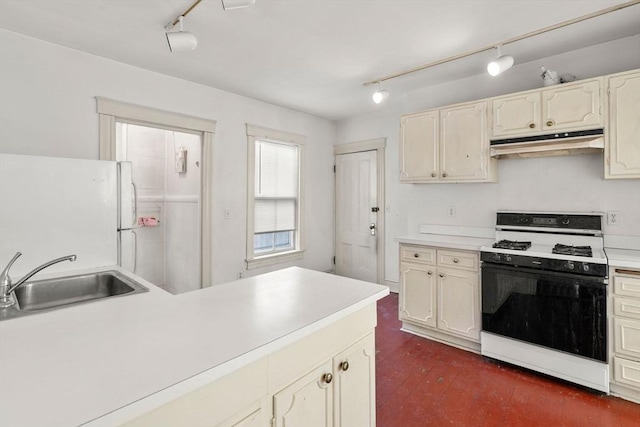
(572, 250)
(512, 244)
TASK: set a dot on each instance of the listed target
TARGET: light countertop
(623, 258)
(106, 362)
(446, 241)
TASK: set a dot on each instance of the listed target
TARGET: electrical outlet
(451, 211)
(613, 218)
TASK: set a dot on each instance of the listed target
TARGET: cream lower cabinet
(440, 294)
(624, 334)
(622, 143)
(340, 392)
(324, 379)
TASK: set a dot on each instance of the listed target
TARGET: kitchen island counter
(108, 362)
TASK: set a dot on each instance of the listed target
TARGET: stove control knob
(507, 258)
(565, 221)
(497, 257)
(585, 267)
(570, 265)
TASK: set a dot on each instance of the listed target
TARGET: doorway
(360, 210)
(166, 173)
(112, 112)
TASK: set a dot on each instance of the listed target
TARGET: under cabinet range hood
(552, 144)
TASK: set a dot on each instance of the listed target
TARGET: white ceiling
(315, 55)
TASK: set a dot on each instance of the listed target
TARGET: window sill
(272, 259)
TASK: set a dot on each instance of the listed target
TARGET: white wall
(570, 183)
(48, 108)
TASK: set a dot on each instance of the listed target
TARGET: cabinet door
(518, 114)
(418, 294)
(354, 388)
(626, 337)
(306, 402)
(464, 144)
(623, 145)
(419, 147)
(574, 106)
(459, 302)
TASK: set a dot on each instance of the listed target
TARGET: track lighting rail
(175, 21)
(504, 42)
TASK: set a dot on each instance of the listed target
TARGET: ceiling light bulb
(380, 96)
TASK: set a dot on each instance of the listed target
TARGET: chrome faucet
(6, 288)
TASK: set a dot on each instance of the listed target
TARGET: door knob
(372, 228)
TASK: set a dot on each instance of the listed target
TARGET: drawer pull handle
(456, 260)
(550, 123)
(416, 255)
(532, 125)
(441, 275)
(344, 365)
(429, 273)
(327, 378)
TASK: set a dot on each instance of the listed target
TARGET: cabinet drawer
(626, 337)
(626, 307)
(626, 372)
(626, 283)
(456, 259)
(419, 254)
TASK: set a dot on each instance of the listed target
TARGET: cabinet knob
(532, 125)
(344, 365)
(444, 174)
(550, 123)
(433, 174)
(456, 260)
(429, 273)
(327, 378)
(416, 255)
(441, 275)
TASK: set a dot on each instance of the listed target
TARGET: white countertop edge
(623, 258)
(162, 397)
(446, 241)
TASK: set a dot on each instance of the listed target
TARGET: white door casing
(360, 210)
(111, 111)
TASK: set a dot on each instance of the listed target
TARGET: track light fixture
(380, 95)
(181, 40)
(500, 64)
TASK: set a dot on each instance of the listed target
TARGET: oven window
(556, 310)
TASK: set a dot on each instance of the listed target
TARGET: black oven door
(560, 311)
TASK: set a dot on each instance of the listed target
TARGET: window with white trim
(274, 196)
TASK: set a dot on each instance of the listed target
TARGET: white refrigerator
(127, 217)
(53, 206)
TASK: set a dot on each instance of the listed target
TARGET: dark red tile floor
(424, 383)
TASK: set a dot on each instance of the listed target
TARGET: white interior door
(356, 215)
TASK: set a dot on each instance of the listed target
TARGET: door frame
(378, 145)
(111, 111)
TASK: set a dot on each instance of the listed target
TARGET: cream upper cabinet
(622, 146)
(516, 114)
(572, 106)
(566, 107)
(419, 135)
(447, 145)
(464, 143)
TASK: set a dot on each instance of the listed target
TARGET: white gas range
(544, 289)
